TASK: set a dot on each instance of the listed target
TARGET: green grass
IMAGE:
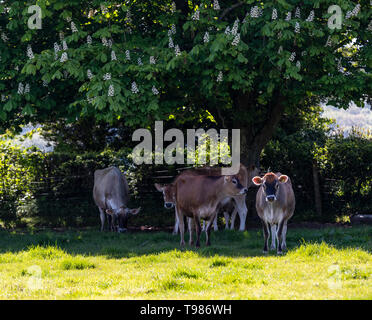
(331, 263)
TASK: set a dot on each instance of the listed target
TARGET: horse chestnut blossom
(30, 54)
(274, 15)
(64, 57)
(206, 37)
(107, 76)
(155, 91)
(134, 87)
(310, 18)
(111, 91)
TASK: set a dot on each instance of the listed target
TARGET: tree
(244, 64)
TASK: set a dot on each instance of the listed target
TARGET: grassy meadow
(329, 263)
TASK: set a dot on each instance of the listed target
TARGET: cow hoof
(272, 248)
(279, 253)
(265, 252)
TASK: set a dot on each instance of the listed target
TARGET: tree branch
(183, 6)
(226, 11)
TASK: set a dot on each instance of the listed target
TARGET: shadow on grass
(226, 243)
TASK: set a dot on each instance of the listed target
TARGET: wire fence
(66, 200)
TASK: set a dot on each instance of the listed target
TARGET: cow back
(110, 185)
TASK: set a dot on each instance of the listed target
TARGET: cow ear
(134, 211)
(257, 181)
(283, 178)
(159, 187)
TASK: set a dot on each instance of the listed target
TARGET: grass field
(330, 263)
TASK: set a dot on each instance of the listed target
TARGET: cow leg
(233, 216)
(102, 216)
(109, 222)
(198, 230)
(215, 226)
(227, 218)
(181, 227)
(190, 223)
(279, 236)
(273, 237)
(176, 223)
(208, 231)
(266, 233)
(112, 220)
(284, 236)
(242, 210)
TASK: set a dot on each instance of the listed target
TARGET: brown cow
(234, 205)
(237, 204)
(198, 197)
(275, 204)
(168, 191)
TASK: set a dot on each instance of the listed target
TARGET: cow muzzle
(168, 205)
(271, 198)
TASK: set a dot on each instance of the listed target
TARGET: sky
(352, 117)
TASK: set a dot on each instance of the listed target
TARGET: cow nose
(270, 198)
(168, 205)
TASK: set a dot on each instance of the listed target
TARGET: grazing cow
(111, 195)
(275, 204)
(199, 197)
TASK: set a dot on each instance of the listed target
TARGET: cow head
(121, 215)
(270, 184)
(233, 187)
(168, 194)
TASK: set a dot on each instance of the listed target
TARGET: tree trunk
(255, 136)
(317, 196)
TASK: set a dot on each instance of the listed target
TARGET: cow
(275, 205)
(168, 191)
(199, 197)
(111, 195)
(235, 204)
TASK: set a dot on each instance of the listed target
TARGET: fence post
(317, 196)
